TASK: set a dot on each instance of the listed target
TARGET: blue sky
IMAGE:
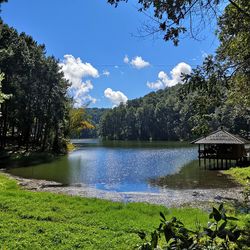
(99, 50)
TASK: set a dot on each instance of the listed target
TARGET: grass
(32, 220)
(241, 175)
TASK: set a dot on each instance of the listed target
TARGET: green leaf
(154, 239)
(236, 234)
(211, 215)
(223, 225)
(160, 226)
(223, 234)
(221, 207)
(162, 216)
(231, 218)
(168, 233)
(216, 214)
(142, 235)
(209, 232)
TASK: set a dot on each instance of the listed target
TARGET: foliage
(215, 93)
(2, 95)
(219, 234)
(94, 115)
(182, 112)
(84, 123)
(218, 92)
(234, 51)
(78, 122)
(70, 147)
(173, 18)
(32, 220)
(35, 117)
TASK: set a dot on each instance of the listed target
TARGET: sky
(100, 49)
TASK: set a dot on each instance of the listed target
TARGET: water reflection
(130, 167)
(193, 176)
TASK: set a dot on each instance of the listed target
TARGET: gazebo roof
(221, 137)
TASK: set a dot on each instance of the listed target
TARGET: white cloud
(106, 73)
(74, 71)
(164, 81)
(137, 62)
(156, 85)
(80, 94)
(116, 97)
(126, 59)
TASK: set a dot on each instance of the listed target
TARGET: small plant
(219, 234)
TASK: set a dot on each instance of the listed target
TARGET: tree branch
(239, 8)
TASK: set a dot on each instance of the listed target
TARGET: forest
(181, 112)
(34, 106)
(215, 94)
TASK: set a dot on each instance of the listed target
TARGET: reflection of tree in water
(192, 176)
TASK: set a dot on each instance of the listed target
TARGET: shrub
(219, 234)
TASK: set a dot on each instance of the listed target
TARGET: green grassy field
(32, 220)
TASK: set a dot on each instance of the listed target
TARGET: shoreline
(169, 198)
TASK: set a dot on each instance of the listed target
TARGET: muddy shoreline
(168, 198)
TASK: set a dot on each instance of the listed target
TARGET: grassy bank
(31, 220)
(241, 175)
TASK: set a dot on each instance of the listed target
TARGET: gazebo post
(199, 155)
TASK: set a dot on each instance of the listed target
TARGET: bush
(219, 234)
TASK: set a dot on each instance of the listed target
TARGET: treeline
(182, 112)
(36, 112)
(94, 116)
(215, 94)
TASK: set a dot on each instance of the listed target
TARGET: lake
(128, 167)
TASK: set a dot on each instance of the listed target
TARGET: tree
(182, 112)
(78, 121)
(2, 95)
(35, 115)
(175, 17)
(234, 52)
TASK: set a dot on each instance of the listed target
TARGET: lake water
(128, 167)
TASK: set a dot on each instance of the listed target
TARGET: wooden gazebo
(220, 148)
